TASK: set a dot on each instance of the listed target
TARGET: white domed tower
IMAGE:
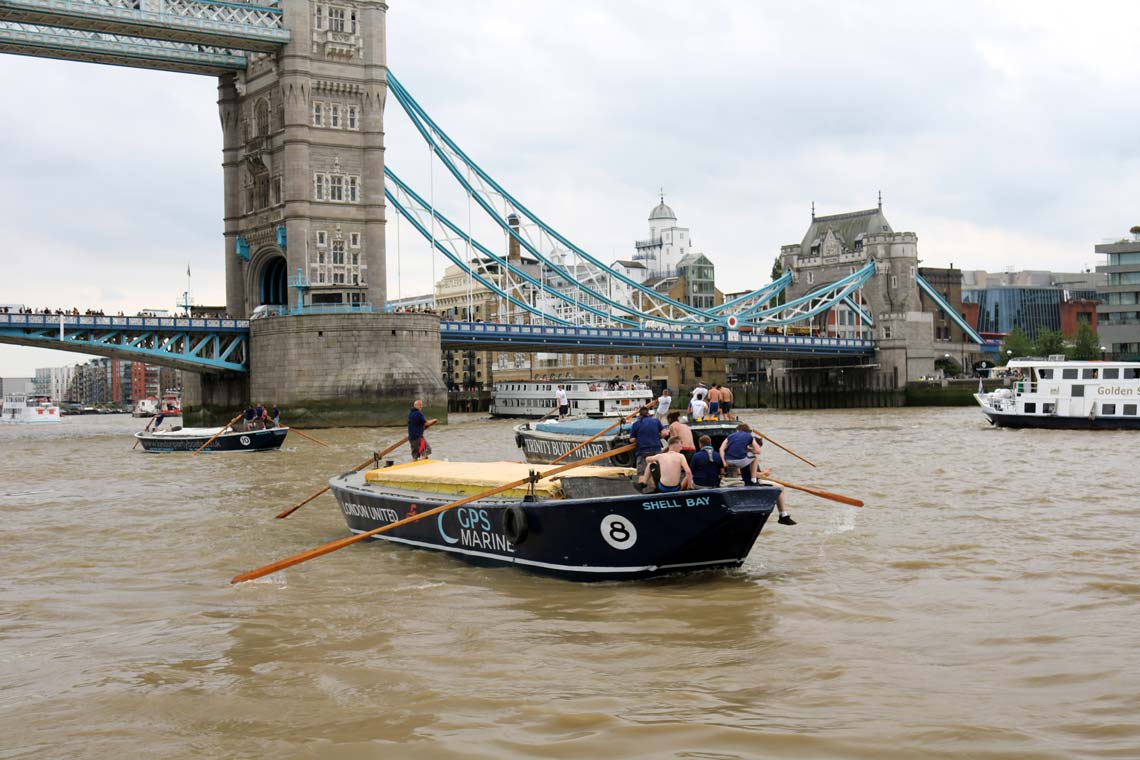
(667, 243)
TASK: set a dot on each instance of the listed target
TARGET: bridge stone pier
(303, 164)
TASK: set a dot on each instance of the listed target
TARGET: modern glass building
(1001, 309)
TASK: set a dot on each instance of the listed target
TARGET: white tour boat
(21, 407)
(1056, 393)
(593, 398)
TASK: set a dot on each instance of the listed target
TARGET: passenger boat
(179, 438)
(22, 407)
(535, 398)
(588, 524)
(1073, 395)
(170, 405)
(543, 442)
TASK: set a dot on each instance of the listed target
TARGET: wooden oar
(549, 414)
(785, 448)
(595, 436)
(297, 559)
(145, 429)
(314, 440)
(224, 428)
(358, 468)
(817, 492)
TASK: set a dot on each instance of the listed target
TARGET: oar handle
(375, 457)
(785, 448)
(311, 438)
(341, 543)
(820, 493)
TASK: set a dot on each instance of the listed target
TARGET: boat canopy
(581, 426)
(470, 478)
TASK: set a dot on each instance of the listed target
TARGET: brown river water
(984, 604)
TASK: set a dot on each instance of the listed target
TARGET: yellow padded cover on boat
(469, 478)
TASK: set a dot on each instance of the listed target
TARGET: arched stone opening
(272, 281)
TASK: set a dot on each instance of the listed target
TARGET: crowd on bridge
(74, 312)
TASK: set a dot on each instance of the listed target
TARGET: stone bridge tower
(303, 160)
(838, 245)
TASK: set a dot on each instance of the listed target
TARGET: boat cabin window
(1069, 374)
(1044, 374)
(1089, 373)
(1130, 373)
(1130, 410)
(1108, 409)
(1078, 391)
(1048, 408)
(1030, 407)
(1111, 373)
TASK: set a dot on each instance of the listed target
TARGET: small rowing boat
(587, 524)
(224, 439)
(543, 442)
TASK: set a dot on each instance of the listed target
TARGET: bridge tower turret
(903, 331)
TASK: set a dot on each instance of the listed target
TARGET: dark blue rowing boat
(589, 524)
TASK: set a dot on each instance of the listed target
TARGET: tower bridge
(302, 87)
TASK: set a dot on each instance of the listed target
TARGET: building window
(334, 116)
(352, 18)
(336, 19)
(351, 118)
(320, 17)
(338, 251)
(322, 238)
(263, 191)
(318, 114)
(353, 189)
(336, 188)
(261, 117)
(338, 278)
(356, 259)
(320, 257)
(354, 239)
(321, 277)
(319, 187)
(277, 190)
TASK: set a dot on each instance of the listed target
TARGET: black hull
(648, 535)
(254, 440)
(1054, 422)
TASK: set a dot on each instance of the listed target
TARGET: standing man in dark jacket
(416, 424)
(647, 432)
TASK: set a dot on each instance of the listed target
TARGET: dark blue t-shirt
(739, 443)
(416, 423)
(706, 467)
(647, 432)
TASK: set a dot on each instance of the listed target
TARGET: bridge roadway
(197, 345)
(218, 345)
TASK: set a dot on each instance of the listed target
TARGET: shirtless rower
(675, 474)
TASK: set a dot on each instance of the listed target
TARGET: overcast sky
(1003, 134)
